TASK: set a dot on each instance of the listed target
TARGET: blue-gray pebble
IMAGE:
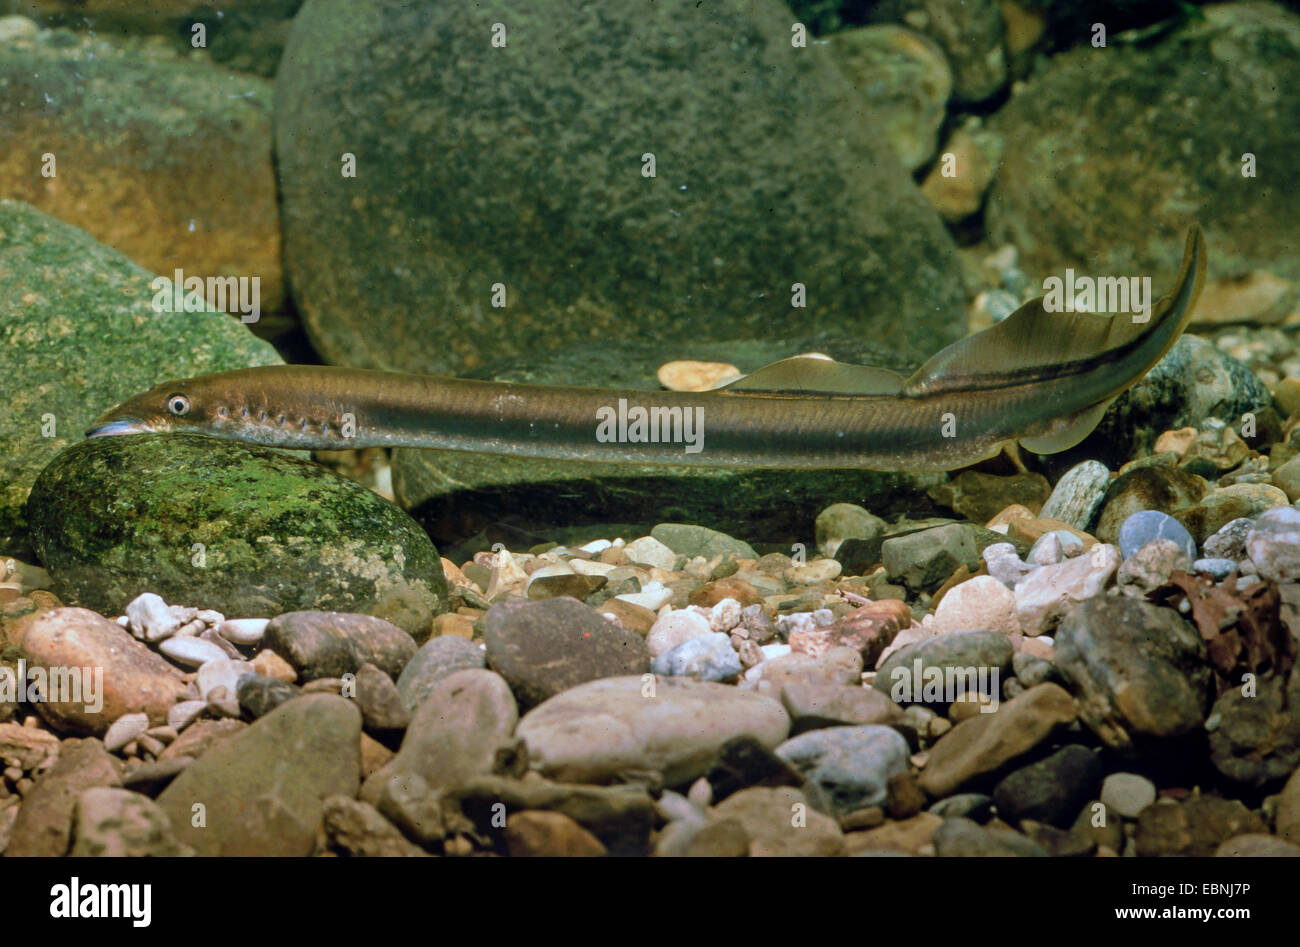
(1146, 525)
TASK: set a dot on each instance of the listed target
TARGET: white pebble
(596, 546)
(192, 652)
(150, 618)
(652, 596)
(125, 729)
(725, 615)
(185, 713)
(224, 673)
(244, 631)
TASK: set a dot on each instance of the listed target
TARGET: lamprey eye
(178, 405)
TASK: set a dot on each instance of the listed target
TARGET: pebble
(906, 674)
(764, 814)
(675, 628)
(331, 644)
(1004, 564)
(653, 595)
(841, 521)
(691, 541)
(1077, 496)
(707, 658)
(688, 375)
(732, 587)
(437, 658)
(118, 823)
(1194, 828)
(182, 714)
(1230, 540)
(1138, 669)
(1215, 568)
(1151, 566)
(1044, 595)
(1140, 528)
(813, 705)
(380, 702)
(962, 838)
(868, 630)
(987, 742)
(222, 673)
(243, 631)
(1273, 544)
(648, 551)
(924, 559)
(1052, 790)
(150, 618)
(1257, 845)
(533, 834)
(125, 729)
(1151, 488)
(453, 735)
(727, 614)
(1127, 794)
(1228, 503)
(544, 647)
(599, 730)
(979, 604)
(851, 766)
(819, 570)
(134, 679)
(263, 788)
(191, 652)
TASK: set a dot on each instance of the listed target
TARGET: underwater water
(581, 429)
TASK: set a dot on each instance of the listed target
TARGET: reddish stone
(867, 630)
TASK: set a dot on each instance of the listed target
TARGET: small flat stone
(532, 834)
(868, 629)
(1052, 790)
(243, 631)
(815, 705)
(962, 838)
(258, 695)
(604, 728)
(926, 558)
(1077, 496)
(125, 729)
(331, 644)
(380, 701)
(1142, 527)
(192, 652)
(766, 816)
(691, 541)
(1044, 595)
(1127, 794)
(1195, 828)
(987, 742)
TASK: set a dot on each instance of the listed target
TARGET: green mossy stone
(78, 335)
(116, 516)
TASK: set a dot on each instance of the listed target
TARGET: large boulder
(505, 145)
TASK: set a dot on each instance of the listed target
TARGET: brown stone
(908, 836)
(43, 826)
(633, 617)
(868, 630)
(711, 593)
(987, 742)
(533, 833)
(1196, 827)
(134, 678)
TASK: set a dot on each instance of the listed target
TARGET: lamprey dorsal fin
(815, 373)
(1033, 343)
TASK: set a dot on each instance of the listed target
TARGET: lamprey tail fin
(818, 374)
(1032, 342)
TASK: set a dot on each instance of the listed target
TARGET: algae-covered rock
(92, 129)
(78, 336)
(218, 524)
(506, 147)
(1151, 121)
